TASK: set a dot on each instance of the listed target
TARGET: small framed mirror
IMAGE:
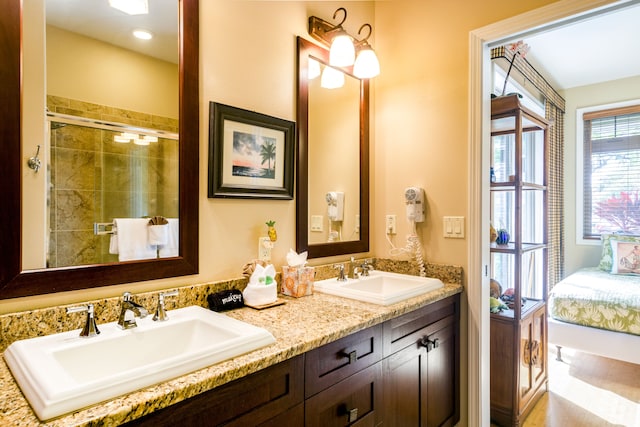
(332, 187)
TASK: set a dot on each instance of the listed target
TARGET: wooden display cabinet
(519, 152)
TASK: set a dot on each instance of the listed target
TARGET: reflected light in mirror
(314, 69)
(332, 78)
(142, 34)
(131, 7)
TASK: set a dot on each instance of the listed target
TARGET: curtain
(554, 112)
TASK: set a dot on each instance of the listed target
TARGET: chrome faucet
(129, 311)
(364, 268)
(341, 276)
(161, 313)
(90, 328)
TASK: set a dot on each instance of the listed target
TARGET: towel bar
(100, 228)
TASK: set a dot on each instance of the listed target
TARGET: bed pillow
(626, 257)
(606, 260)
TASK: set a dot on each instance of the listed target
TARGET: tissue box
(297, 281)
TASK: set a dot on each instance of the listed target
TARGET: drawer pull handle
(352, 355)
(429, 344)
(352, 415)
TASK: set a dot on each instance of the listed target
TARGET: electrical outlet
(390, 225)
(357, 228)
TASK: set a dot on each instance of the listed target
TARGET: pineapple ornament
(271, 232)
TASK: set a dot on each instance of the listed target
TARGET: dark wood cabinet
(519, 205)
(354, 401)
(258, 399)
(404, 372)
(422, 380)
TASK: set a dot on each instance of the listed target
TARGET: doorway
(480, 41)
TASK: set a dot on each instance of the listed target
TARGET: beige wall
(578, 256)
(421, 101)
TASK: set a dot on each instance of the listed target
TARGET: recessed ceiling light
(143, 34)
(131, 7)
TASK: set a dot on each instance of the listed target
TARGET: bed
(597, 312)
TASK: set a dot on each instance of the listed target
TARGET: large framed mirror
(332, 187)
(17, 279)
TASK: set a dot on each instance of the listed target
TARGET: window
(611, 171)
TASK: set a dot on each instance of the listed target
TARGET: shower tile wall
(94, 179)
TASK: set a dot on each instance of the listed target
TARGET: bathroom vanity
(404, 371)
(334, 359)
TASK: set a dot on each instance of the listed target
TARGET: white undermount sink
(63, 372)
(380, 287)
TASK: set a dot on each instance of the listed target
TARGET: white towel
(158, 234)
(172, 247)
(132, 239)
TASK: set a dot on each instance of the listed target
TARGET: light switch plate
(453, 227)
(316, 222)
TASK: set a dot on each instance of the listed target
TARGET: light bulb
(332, 78)
(342, 53)
(367, 65)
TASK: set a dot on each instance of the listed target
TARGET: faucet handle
(161, 313)
(341, 276)
(90, 328)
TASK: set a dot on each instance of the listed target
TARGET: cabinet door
(402, 384)
(422, 381)
(354, 401)
(442, 382)
(533, 358)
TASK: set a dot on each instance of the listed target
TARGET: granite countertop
(299, 325)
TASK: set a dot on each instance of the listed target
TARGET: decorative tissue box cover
(297, 281)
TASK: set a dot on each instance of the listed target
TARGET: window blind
(612, 172)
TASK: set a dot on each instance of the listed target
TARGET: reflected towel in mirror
(133, 239)
(171, 249)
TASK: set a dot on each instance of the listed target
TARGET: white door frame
(480, 40)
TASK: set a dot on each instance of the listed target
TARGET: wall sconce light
(343, 47)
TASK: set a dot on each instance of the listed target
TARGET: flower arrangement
(518, 48)
(622, 212)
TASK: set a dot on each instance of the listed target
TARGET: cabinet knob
(429, 344)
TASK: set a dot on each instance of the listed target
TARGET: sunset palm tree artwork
(251, 152)
(268, 152)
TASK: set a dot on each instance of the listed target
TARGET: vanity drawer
(335, 361)
(408, 329)
(253, 400)
(354, 401)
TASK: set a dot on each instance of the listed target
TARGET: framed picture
(250, 154)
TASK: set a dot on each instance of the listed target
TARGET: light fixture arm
(343, 19)
(364, 39)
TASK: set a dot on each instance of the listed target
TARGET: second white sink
(63, 372)
(380, 287)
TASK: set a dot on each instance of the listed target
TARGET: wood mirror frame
(17, 283)
(305, 50)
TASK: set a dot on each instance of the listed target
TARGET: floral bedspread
(592, 297)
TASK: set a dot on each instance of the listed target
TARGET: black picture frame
(240, 143)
